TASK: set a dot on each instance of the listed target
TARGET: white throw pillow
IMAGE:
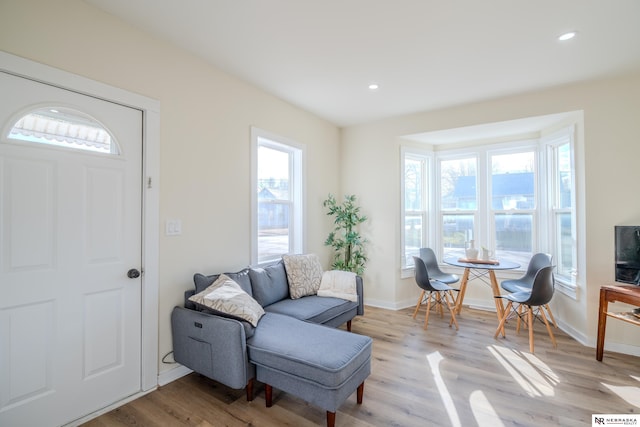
(227, 297)
(304, 274)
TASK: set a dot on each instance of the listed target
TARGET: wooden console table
(626, 294)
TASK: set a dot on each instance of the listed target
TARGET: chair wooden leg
(426, 316)
(452, 309)
(546, 323)
(507, 310)
(553, 320)
(519, 319)
(418, 304)
(331, 419)
(530, 315)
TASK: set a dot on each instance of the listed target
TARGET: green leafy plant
(346, 241)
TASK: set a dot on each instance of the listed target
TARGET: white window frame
(426, 158)
(296, 151)
(550, 144)
(480, 195)
(516, 147)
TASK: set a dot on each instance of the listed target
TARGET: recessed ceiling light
(567, 36)
(374, 86)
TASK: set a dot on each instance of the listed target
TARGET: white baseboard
(109, 408)
(166, 377)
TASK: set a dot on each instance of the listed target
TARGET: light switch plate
(173, 227)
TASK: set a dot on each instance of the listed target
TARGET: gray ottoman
(319, 364)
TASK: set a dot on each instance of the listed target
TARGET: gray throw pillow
(269, 283)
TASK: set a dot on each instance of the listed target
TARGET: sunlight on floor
(533, 375)
(483, 411)
(434, 361)
(629, 394)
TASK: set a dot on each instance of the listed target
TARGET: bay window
(492, 194)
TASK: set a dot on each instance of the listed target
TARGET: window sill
(567, 288)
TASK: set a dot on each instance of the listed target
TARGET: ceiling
(424, 54)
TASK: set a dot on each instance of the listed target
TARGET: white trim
(298, 192)
(425, 156)
(171, 375)
(109, 408)
(549, 144)
(151, 196)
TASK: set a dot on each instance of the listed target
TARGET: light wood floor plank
(437, 377)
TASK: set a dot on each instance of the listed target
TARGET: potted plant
(346, 241)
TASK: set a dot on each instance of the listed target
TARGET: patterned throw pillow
(304, 274)
(227, 297)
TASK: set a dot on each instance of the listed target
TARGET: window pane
(564, 250)
(413, 233)
(457, 230)
(63, 127)
(273, 230)
(276, 205)
(514, 237)
(413, 179)
(512, 181)
(564, 179)
(458, 184)
(273, 174)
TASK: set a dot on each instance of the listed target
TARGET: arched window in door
(63, 127)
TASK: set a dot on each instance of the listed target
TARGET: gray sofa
(215, 345)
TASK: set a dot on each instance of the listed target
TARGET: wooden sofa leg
(360, 393)
(249, 389)
(268, 395)
(349, 325)
(331, 419)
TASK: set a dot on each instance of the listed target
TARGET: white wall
(611, 140)
(206, 117)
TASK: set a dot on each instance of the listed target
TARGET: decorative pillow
(269, 283)
(304, 274)
(227, 297)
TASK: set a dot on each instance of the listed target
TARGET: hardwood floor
(437, 377)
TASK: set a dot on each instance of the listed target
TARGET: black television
(627, 239)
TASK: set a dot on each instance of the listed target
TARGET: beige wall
(610, 155)
(206, 117)
(205, 123)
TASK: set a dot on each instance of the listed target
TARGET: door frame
(150, 190)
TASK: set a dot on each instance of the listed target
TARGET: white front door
(70, 230)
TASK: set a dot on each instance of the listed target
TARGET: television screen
(627, 239)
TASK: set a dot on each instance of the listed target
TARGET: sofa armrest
(360, 291)
(211, 345)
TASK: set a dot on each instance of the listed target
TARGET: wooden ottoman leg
(268, 395)
(360, 393)
(331, 419)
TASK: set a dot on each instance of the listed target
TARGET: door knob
(133, 273)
